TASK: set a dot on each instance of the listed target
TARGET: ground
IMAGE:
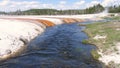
(106, 36)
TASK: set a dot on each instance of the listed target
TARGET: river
(58, 47)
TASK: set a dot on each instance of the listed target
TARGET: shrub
(85, 42)
(95, 54)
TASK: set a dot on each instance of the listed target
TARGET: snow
(14, 34)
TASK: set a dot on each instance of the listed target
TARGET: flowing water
(58, 47)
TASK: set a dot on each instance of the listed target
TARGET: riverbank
(59, 46)
(106, 36)
(14, 35)
(18, 31)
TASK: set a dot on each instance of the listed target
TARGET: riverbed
(58, 47)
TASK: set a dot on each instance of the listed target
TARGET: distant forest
(94, 9)
(114, 9)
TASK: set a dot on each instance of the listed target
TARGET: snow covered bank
(15, 34)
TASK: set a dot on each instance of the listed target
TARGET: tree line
(114, 9)
(94, 9)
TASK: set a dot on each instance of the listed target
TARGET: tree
(94, 9)
(114, 9)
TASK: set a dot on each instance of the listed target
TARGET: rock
(99, 37)
(6, 52)
(25, 41)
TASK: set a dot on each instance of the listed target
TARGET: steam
(104, 13)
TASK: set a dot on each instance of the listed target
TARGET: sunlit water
(58, 47)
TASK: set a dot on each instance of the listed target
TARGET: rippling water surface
(58, 47)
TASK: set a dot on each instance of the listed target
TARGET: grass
(85, 42)
(113, 65)
(115, 18)
(95, 54)
(104, 28)
(112, 17)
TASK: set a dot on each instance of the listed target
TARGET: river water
(58, 47)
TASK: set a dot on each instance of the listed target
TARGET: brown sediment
(71, 20)
(78, 20)
(68, 20)
(44, 22)
(48, 23)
